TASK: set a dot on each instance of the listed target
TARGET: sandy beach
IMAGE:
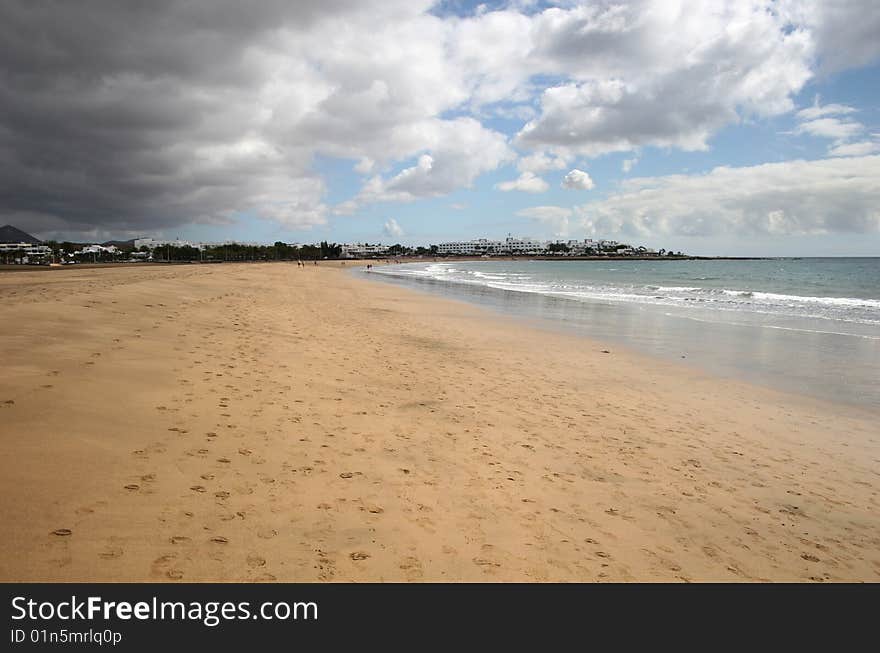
(261, 422)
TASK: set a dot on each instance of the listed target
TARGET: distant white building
(363, 250)
(481, 246)
(152, 243)
(523, 246)
(25, 248)
(23, 252)
(475, 247)
(98, 249)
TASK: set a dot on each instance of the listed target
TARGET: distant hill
(119, 243)
(10, 234)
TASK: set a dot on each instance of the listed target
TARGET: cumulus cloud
(131, 118)
(392, 229)
(527, 182)
(460, 151)
(839, 195)
(628, 164)
(845, 31)
(577, 180)
(662, 74)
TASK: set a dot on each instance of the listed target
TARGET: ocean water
(810, 325)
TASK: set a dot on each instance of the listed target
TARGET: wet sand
(260, 422)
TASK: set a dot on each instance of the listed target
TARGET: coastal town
(20, 248)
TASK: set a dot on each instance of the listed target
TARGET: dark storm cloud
(107, 110)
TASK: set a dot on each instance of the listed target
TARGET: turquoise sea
(808, 325)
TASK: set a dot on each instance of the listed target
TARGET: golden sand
(269, 422)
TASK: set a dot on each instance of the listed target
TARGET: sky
(715, 128)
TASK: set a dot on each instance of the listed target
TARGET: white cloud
(460, 151)
(660, 73)
(845, 31)
(816, 121)
(541, 162)
(577, 180)
(834, 128)
(557, 217)
(838, 195)
(861, 148)
(628, 164)
(820, 111)
(392, 229)
(527, 182)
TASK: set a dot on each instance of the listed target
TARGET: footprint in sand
(254, 561)
(162, 561)
(412, 568)
(483, 562)
(197, 488)
(110, 553)
(178, 539)
(62, 532)
(219, 539)
(359, 555)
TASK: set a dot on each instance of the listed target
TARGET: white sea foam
(844, 309)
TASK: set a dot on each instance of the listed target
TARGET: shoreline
(255, 422)
(412, 259)
(719, 347)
